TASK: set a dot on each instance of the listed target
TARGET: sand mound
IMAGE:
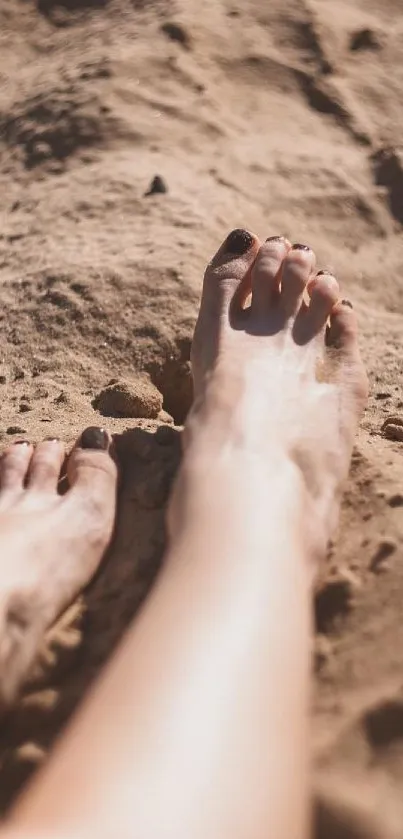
(286, 118)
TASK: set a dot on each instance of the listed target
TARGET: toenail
(51, 440)
(299, 247)
(275, 239)
(347, 303)
(324, 274)
(94, 438)
(22, 443)
(238, 242)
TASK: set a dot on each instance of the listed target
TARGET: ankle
(223, 482)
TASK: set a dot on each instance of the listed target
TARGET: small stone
(365, 39)
(332, 601)
(18, 374)
(384, 550)
(392, 428)
(177, 33)
(383, 395)
(396, 500)
(157, 186)
(3, 380)
(129, 399)
(24, 408)
(16, 429)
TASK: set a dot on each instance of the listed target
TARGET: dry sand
(285, 118)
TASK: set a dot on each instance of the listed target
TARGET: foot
(50, 544)
(282, 376)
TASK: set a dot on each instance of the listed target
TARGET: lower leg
(209, 690)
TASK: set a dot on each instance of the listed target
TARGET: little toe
(296, 271)
(266, 274)
(92, 473)
(324, 292)
(228, 274)
(342, 333)
(14, 465)
(344, 355)
(45, 466)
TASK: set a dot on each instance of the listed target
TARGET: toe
(266, 274)
(14, 465)
(342, 333)
(296, 271)
(45, 466)
(227, 278)
(324, 293)
(345, 359)
(92, 473)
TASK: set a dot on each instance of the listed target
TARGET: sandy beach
(134, 134)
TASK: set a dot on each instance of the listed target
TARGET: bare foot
(50, 544)
(282, 377)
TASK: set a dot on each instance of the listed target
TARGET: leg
(51, 544)
(198, 727)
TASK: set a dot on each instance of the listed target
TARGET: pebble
(138, 399)
(396, 500)
(384, 550)
(157, 186)
(392, 428)
(16, 429)
(177, 33)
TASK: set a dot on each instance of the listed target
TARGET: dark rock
(177, 33)
(384, 550)
(365, 39)
(396, 500)
(157, 186)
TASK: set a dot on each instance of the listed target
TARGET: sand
(285, 118)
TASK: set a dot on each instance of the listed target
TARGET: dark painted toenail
(347, 303)
(275, 239)
(238, 242)
(94, 438)
(299, 247)
(324, 273)
(22, 443)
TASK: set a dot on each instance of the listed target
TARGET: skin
(37, 582)
(199, 725)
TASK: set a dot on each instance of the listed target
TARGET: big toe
(227, 280)
(92, 475)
